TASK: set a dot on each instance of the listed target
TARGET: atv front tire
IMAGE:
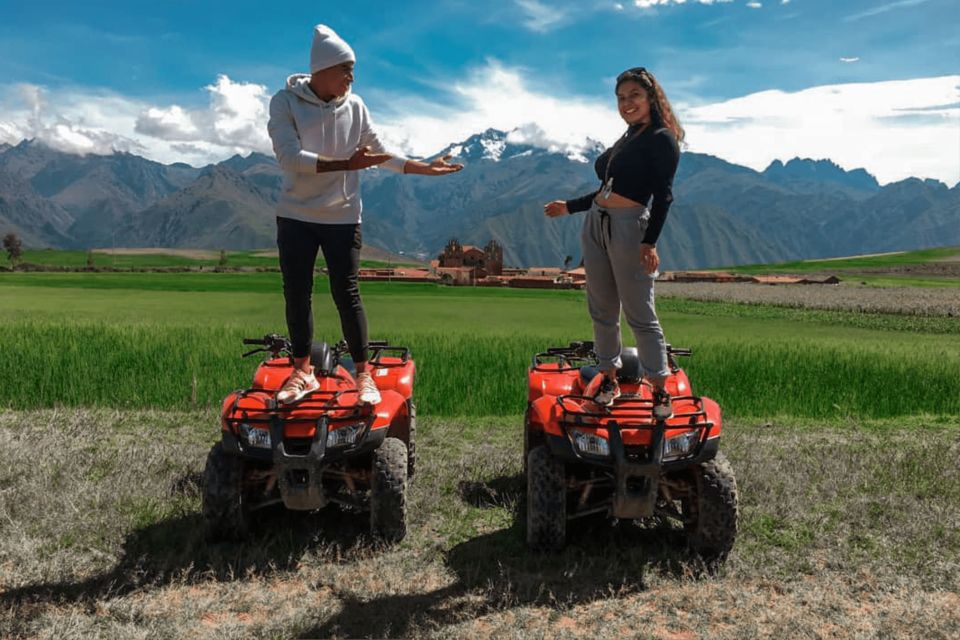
(225, 513)
(712, 512)
(388, 491)
(412, 439)
(546, 500)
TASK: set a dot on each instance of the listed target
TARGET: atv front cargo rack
(321, 402)
(636, 467)
(631, 412)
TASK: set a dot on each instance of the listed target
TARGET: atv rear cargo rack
(378, 348)
(580, 354)
(574, 356)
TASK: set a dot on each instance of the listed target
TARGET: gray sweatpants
(611, 241)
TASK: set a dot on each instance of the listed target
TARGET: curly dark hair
(661, 113)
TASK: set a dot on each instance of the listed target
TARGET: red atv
(326, 447)
(583, 459)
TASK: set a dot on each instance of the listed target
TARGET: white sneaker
(369, 394)
(297, 385)
(608, 392)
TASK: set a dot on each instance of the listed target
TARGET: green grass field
(883, 270)
(173, 341)
(842, 428)
(897, 259)
(67, 259)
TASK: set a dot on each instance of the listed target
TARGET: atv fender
(715, 416)
(543, 415)
(392, 374)
(549, 380)
(391, 403)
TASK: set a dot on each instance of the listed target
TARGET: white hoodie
(304, 128)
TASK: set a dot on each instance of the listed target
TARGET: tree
(223, 258)
(566, 262)
(90, 262)
(13, 247)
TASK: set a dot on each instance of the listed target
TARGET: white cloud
(83, 121)
(78, 123)
(893, 129)
(890, 6)
(170, 123)
(853, 59)
(540, 17)
(496, 96)
(755, 5)
(648, 4)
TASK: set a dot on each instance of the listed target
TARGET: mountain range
(723, 214)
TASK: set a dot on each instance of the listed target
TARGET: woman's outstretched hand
(649, 257)
(556, 208)
(437, 167)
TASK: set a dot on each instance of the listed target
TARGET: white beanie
(328, 49)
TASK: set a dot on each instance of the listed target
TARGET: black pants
(298, 243)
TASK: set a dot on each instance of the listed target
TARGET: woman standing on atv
(620, 233)
(323, 136)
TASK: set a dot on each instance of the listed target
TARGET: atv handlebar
(578, 353)
(275, 344)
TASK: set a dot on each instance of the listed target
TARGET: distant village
(468, 265)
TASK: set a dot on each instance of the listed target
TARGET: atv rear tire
(225, 513)
(546, 500)
(388, 491)
(712, 512)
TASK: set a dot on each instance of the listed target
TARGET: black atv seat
(629, 370)
(324, 360)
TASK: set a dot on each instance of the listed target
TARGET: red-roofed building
(486, 261)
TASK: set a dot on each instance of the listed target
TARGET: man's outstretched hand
(437, 167)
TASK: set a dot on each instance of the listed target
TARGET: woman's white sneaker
(369, 394)
(297, 385)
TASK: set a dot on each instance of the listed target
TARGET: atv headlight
(254, 437)
(680, 445)
(345, 435)
(591, 443)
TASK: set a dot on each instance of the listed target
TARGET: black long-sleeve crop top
(644, 166)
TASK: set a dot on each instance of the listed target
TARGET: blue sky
(182, 80)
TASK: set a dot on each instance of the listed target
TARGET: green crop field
(155, 259)
(895, 259)
(939, 267)
(145, 340)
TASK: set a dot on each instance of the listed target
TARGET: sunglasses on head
(636, 73)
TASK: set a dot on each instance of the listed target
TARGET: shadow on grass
(175, 551)
(496, 571)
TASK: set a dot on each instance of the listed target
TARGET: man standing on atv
(323, 136)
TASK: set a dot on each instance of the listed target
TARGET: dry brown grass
(847, 531)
